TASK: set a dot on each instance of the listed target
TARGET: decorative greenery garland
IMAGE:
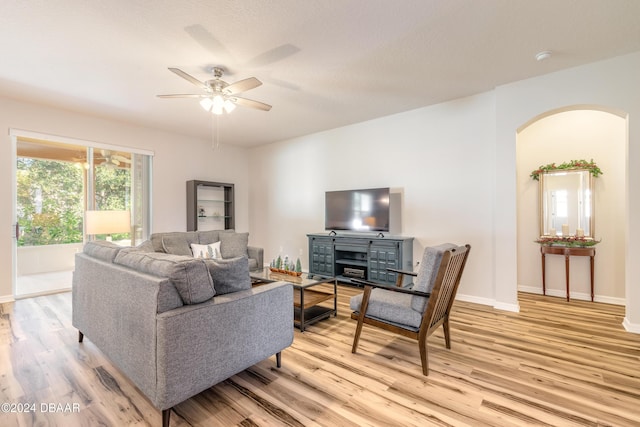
(574, 241)
(573, 164)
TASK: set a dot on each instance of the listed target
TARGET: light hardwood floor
(554, 363)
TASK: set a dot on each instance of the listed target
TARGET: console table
(567, 252)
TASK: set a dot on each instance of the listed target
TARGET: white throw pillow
(211, 250)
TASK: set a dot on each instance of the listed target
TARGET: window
(58, 181)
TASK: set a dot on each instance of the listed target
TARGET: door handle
(17, 231)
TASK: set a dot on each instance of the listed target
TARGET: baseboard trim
(41, 294)
(6, 298)
(631, 327)
(530, 290)
(474, 299)
(490, 302)
(609, 300)
(573, 295)
(514, 308)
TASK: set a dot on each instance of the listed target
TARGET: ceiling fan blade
(208, 41)
(183, 95)
(251, 103)
(188, 77)
(274, 55)
(242, 85)
(120, 158)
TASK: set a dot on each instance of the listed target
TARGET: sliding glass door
(57, 181)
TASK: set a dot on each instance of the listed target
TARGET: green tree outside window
(50, 203)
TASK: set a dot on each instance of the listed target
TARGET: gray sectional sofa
(232, 244)
(174, 324)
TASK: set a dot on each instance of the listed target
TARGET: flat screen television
(357, 210)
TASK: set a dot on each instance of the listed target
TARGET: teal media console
(365, 257)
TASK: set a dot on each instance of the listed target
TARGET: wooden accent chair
(417, 311)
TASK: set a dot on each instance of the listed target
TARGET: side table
(567, 252)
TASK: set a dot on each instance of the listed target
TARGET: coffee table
(306, 302)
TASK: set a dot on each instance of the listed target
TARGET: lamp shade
(107, 222)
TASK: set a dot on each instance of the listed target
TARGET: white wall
(455, 165)
(440, 159)
(613, 84)
(177, 159)
(46, 258)
(561, 137)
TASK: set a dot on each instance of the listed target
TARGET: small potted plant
(298, 267)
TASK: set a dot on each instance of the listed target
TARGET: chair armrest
(391, 288)
(407, 272)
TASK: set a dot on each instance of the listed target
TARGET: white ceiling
(323, 63)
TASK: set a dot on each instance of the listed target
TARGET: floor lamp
(107, 222)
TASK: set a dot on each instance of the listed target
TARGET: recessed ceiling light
(541, 56)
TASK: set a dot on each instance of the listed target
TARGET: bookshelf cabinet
(210, 206)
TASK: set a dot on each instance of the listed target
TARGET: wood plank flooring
(553, 364)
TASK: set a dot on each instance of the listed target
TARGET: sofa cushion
(102, 249)
(211, 250)
(234, 245)
(190, 276)
(209, 236)
(229, 275)
(178, 243)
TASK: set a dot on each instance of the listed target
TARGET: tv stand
(366, 257)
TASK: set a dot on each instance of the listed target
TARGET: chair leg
(363, 309)
(279, 359)
(166, 414)
(356, 337)
(424, 354)
(80, 336)
(447, 336)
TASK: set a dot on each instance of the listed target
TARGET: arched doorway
(574, 133)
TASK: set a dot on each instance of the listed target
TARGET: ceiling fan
(110, 158)
(220, 96)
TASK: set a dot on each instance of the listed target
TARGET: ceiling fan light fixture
(206, 103)
(217, 104)
(229, 106)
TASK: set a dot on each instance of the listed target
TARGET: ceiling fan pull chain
(215, 131)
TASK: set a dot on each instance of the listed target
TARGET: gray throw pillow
(146, 246)
(233, 245)
(190, 276)
(208, 237)
(192, 283)
(179, 243)
(229, 275)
